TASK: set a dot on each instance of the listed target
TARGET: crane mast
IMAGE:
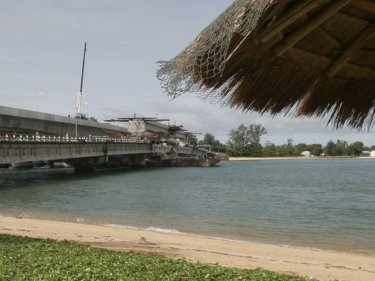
(79, 94)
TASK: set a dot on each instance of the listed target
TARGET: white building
(372, 153)
(306, 153)
(366, 153)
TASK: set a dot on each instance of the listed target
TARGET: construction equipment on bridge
(79, 114)
(170, 143)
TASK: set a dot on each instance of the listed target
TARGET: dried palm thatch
(311, 58)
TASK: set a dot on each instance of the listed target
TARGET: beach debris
(143, 240)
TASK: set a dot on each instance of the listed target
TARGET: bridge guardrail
(9, 138)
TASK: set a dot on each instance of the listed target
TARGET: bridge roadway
(16, 120)
(78, 152)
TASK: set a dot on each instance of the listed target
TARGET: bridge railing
(49, 149)
(68, 139)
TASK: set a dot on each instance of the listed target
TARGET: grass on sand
(35, 259)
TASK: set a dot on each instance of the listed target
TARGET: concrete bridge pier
(138, 160)
(130, 160)
(22, 165)
(87, 163)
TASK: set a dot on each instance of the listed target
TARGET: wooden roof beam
(309, 26)
(345, 16)
(364, 5)
(339, 62)
(301, 8)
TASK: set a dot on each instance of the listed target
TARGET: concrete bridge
(78, 152)
(15, 120)
(71, 140)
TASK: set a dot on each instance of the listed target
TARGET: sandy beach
(267, 158)
(313, 263)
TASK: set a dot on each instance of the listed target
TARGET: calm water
(315, 203)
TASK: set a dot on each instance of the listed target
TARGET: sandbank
(299, 158)
(320, 264)
(266, 158)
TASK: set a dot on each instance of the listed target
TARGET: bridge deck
(28, 121)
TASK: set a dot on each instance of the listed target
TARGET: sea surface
(327, 204)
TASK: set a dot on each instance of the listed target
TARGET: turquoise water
(314, 203)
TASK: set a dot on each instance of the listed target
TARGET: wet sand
(320, 264)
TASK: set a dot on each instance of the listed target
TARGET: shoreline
(323, 265)
(297, 158)
(342, 248)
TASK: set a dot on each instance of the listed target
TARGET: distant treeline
(245, 142)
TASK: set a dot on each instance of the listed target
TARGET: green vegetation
(210, 142)
(245, 142)
(34, 259)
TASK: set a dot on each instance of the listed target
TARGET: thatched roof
(310, 58)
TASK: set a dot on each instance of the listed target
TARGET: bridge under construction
(33, 137)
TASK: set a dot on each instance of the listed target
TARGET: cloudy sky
(41, 52)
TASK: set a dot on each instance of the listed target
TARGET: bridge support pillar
(22, 165)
